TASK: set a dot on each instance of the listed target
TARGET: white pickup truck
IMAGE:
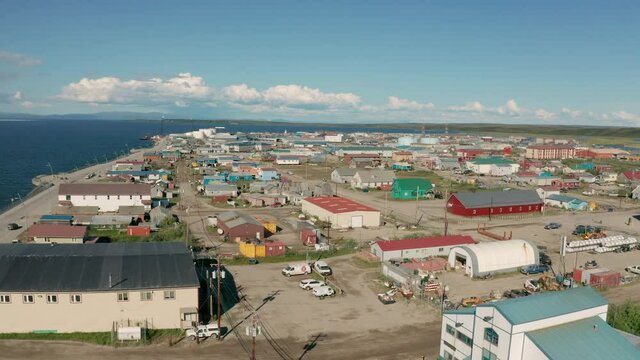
(322, 291)
(202, 331)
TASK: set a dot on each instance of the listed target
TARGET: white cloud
(283, 97)
(544, 114)
(396, 103)
(570, 112)
(625, 116)
(474, 106)
(114, 90)
(510, 108)
(17, 96)
(18, 59)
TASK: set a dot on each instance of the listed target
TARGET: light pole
(26, 221)
(50, 168)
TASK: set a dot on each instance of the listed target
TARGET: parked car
(322, 291)
(202, 331)
(515, 293)
(13, 226)
(591, 264)
(322, 268)
(308, 284)
(534, 269)
(544, 259)
(635, 269)
(551, 226)
(252, 261)
(296, 269)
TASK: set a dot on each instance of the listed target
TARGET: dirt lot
(354, 325)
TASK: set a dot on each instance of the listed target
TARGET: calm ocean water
(28, 146)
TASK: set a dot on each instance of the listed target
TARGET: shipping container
(605, 279)
(308, 237)
(583, 276)
(275, 248)
(138, 230)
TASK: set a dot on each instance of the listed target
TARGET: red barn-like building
(494, 203)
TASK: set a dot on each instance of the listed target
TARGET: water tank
(406, 140)
(429, 140)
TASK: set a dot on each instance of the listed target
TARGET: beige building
(57, 234)
(92, 288)
(550, 152)
(342, 213)
(107, 197)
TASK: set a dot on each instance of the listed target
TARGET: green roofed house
(410, 188)
(558, 325)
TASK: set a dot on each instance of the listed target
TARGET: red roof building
(418, 248)
(341, 213)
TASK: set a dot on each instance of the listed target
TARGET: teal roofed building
(410, 188)
(561, 325)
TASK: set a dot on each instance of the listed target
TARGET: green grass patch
(364, 264)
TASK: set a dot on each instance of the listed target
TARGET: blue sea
(28, 146)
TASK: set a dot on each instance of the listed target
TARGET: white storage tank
(406, 140)
(429, 140)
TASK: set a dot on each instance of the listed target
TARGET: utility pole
(219, 276)
(253, 331)
(26, 221)
(417, 197)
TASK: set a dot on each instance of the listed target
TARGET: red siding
(275, 248)
(456, 207)
(308, 237)
(605, 279)
(138, 231)
(242, 232)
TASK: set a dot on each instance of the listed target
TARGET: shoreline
(41, 183)
(42, 199)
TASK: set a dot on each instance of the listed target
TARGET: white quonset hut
(493, 257)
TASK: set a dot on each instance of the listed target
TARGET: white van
(296, 269)
(202, 331)
(322, 268)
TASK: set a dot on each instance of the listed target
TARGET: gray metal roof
(376, 175)
(232, 219)
(73, 267)
(498, 198)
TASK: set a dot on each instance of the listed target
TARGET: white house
(343, 175)
(333, 138)
(371, 179)
(558, 325)
(493, 165)
(107, 197)
(418, 248)
(288, 160)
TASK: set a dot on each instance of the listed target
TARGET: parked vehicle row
(303, 268)
(319, 288)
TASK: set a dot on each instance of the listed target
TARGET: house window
(84, 197)
(95, 197)
(140, 197)
(118, 197)
(123, 296)
(464, 338)
(488, 355)
(5, 299)
(529, 207)
(447, 355)
(28, 299)
(169, 295)
(146, 296)
(491, 336)
(68, 197)
(474, 212)
(108, 197)
(52, 299)
(130, 197)
(440, 249)
(75, 298)
(451, 330)
(510, 209)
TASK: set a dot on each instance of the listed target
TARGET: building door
(356, 221)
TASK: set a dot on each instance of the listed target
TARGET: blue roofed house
(238, 176)
(566, 202)
(559, 325)
(268, 174)
(214, 178)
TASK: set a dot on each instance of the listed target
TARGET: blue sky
(569, 62)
